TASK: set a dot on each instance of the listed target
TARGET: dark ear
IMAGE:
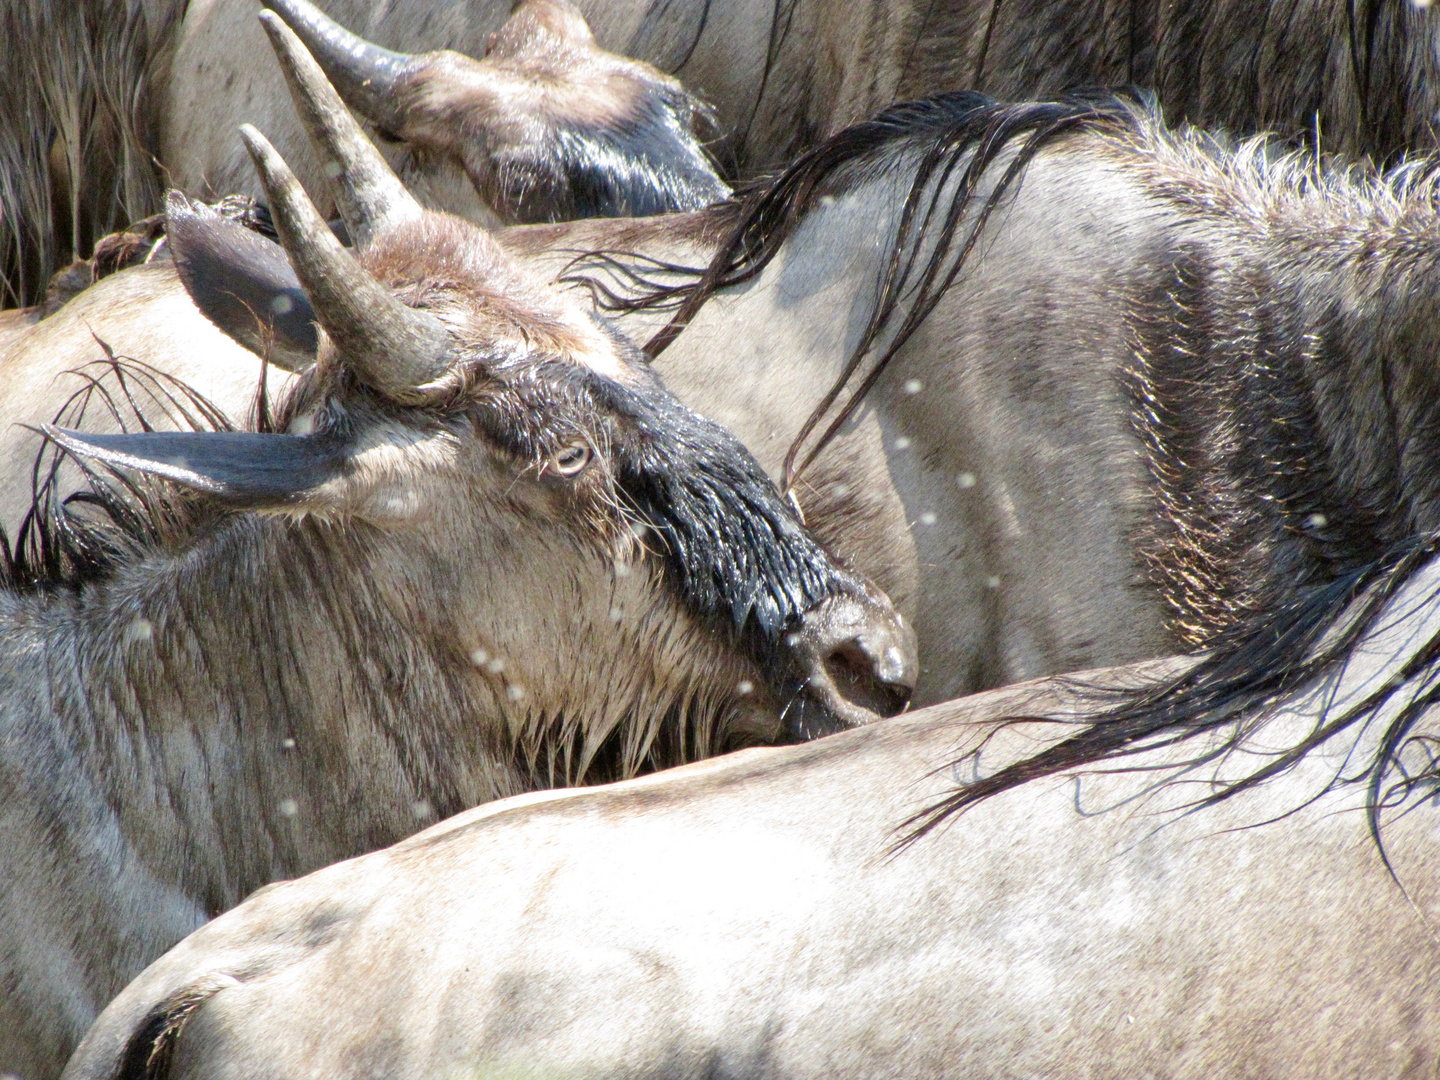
(246, 470)
(241, 282)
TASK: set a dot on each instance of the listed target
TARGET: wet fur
(198, 701)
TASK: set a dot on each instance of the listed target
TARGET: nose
(858, 660)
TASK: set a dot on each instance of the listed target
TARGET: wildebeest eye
(571, 459)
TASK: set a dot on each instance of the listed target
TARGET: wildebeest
(1008, 480)
(1358, 77)
(483, 552)
(546, 127)
(763, 915)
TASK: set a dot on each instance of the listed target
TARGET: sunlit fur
(1282, 324)
(196, 701)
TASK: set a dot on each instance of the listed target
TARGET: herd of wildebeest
(506, 413)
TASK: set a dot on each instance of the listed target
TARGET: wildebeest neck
(1284, 378)
(234, 691)
(238, 694)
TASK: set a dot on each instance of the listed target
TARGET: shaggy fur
(77, 130)
(420, 607)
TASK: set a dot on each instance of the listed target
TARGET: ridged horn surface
(369, 195)
(364, 74)
(390, 347)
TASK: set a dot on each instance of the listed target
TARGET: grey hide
(445, 597)
(994, 484)
(751, 917)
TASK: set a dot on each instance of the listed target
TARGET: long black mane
(1285, 416)
(956, 135)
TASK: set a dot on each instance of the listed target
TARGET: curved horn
(390, 347)
(369, 195)
(364, 74)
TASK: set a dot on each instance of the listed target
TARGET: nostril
(862, 680)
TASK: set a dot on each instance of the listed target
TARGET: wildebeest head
(542, 472)
(547, 127)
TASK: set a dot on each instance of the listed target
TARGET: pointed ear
(241, 282)
(245, 470)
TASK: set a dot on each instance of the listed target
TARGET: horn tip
(255, 142)
(282, 38)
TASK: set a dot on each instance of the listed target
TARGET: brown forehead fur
(545, 57)
(446, 264)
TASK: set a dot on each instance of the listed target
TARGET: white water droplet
(966, 480)
(421, 808)
(287, 744)
(479, 657)
(913, 386)
(839, 490)
(617, 614)
(622, 570)
(792, 640)
(992, 582)
(139, 630)
(927, 518)
(744, 686)
(495, 665)
(281, 304)
(332, 169)
(288, 808)
(1317, 521)
(515, 692)
(902, 443)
